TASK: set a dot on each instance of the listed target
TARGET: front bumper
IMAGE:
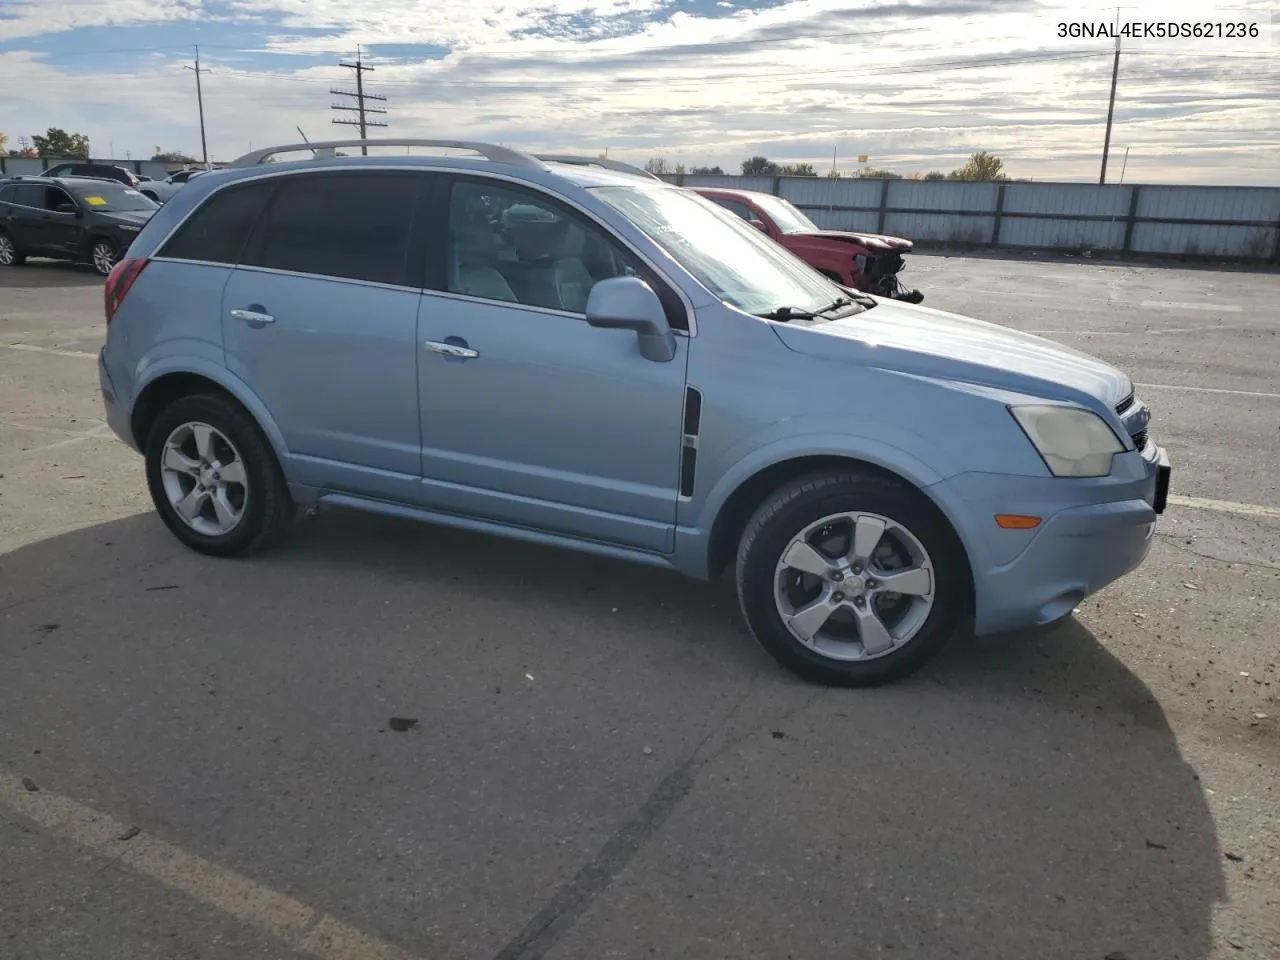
(1031, 578)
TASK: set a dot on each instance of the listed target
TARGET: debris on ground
(29, 784)
(401, 724)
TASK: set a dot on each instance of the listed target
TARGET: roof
(484, 158)
(63, 181)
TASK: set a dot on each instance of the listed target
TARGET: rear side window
(217, 231)
(7, 194)
(29, 195)
(349, 225)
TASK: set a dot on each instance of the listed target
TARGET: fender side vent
(689, 440)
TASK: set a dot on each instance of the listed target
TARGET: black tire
(15, 257)
(268, 507)
(809, 499)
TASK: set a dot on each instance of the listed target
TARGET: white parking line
(1234, 393)
(32, 348)
(1172, 305)
(1226, 506)
(299, 926)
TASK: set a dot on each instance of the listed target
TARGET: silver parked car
(580, 356)
(162, 191)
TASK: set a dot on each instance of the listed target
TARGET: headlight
(1072, 441)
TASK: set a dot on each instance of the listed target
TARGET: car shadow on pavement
(35, 274)
(1020, 797)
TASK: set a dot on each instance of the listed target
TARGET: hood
(875, 242)
(928, 342)
(135, 218)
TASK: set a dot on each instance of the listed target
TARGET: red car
(862, 261)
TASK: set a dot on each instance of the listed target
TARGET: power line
(360, 97)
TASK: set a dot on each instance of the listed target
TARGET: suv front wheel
(851, 578)
(214, 478)
(102, 254)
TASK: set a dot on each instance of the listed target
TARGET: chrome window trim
(252, 268)
(422, 291)
(690, 312)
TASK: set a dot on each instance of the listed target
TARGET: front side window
(217, 231)
(734, 261)
(506, 243)
(738, 207)
(785, 215)
(351, 226)
(57, 200)
(111, 197)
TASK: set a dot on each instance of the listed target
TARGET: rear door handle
(255, 316)
(458, 350)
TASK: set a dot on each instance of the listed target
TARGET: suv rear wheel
(214, 478)
(9, 255)
(851, 578)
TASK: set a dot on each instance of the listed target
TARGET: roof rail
(605, 162)
(487, 150)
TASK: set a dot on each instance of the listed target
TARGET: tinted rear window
(217, 231)
(349, 225)
(29, 195)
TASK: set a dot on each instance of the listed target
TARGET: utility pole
(1111, 107)
(363, 122)
(204, 146)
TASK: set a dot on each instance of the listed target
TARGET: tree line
(58, 143)
(981, 166)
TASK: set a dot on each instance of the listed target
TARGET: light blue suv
(587, 357)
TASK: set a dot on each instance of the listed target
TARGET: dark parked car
(99, 171)
(90, 221)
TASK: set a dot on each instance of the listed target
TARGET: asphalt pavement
(387, 740)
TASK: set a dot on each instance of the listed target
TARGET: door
(529, 415)
(319, 320)
(63, 223)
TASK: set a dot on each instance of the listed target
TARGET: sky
(916, 85)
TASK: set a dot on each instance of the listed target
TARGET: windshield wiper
(786, 314)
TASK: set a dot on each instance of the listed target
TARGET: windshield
(734, 261)
(785, 215)
(113, 198)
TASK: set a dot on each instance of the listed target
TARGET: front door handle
(458, 350)
(254, 316)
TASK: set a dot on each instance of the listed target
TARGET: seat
(476, 248)
(556, 276)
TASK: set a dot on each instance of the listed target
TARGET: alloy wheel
(204, 479)
(854, 586)
(104, 257)
(8, 253)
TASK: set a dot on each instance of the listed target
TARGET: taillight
(118, 283)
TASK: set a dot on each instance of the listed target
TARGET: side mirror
(64, 208)
(628, 303)
(759, 225)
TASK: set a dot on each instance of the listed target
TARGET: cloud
(915, 85)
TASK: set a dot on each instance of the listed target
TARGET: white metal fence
(1234, 223)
